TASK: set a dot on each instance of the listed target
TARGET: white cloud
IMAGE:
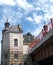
(7, 2)
(37, 31)
(47, 15)
(19, 15)
(46, 7)
(51, 1)
(30, 19)
(37, 19)
(24, 4)
(37, 8)
(51, 16)
(51, 10)
(42, 2)
(11, 15)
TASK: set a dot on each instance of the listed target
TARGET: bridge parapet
(45, 32)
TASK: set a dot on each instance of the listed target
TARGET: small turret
(45, 28)
(7, 24)
(20, 28)
(51, 20)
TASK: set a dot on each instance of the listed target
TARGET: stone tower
(12, 45)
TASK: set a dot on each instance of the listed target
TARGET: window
(16, 56)
(5, 55)
(15, 42)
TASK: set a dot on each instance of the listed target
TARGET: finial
(7, 20)
(44, 23)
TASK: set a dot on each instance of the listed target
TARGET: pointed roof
(14, 28)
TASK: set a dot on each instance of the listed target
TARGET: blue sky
(31, 14)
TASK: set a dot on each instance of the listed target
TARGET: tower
(12, 45)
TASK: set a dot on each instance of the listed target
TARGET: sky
(31, 14)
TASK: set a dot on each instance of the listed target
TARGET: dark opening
(48, 61)
(11, 63)
(16, 56)
(15, 42)
(25, 63)
(5, 55)
(20, 63)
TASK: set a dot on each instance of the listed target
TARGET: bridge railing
(45, 30)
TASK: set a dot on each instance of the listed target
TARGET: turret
(51, 20)
(7, 24)
(45, 28)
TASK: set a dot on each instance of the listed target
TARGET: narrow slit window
(15, 42)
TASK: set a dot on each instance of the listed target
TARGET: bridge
(40, 51)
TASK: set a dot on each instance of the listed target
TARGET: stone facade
(14, 45)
